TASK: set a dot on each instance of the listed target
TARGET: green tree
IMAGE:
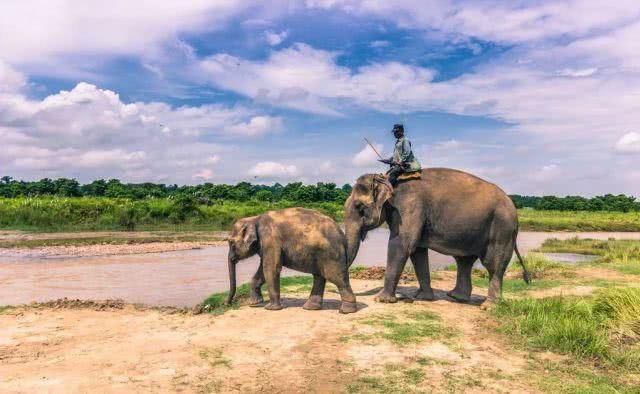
(264, 195)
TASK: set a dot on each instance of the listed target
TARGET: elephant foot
(424, 295)
(348, 307)
(459, 296)
(256, 302)
(312, 304)
(385, 297)
(273, 307)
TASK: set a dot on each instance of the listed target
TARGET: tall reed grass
(605, 326)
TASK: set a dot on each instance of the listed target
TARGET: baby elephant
(297, 238)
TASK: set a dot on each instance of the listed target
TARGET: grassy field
(533, 220)
(101, 214)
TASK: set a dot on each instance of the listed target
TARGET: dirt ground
(120, 348)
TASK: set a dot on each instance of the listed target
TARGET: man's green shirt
(403, 154)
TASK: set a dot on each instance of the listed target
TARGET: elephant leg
(420, 260)
(346, 293)
(462, 291)
(496, 261)
(256, 287)
(397, 256)
(272, 266)
(315, 299)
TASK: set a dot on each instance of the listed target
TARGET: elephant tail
(525, 272)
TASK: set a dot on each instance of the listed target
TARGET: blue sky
(539, 97)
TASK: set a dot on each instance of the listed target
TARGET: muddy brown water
(181, 278)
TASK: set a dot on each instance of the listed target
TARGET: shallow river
(181, 278)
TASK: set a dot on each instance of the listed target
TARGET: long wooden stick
(374, 149)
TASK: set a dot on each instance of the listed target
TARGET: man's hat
(398, 127)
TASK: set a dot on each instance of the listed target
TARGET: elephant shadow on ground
(292, 302)
(403, 293)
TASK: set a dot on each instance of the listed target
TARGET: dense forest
(209, 193)
(205, 193)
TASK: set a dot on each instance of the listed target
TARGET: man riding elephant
(403, 159)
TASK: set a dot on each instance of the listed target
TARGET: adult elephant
(449, 211)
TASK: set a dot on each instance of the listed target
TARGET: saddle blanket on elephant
(407, 176)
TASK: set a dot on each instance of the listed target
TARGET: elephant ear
(249, 232)
(382, 192)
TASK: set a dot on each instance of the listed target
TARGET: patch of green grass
(540, 267)
(571, 377)
(397, 378)
(5, 308)
(414, 375)
(545, 274)
(605, 326)
(214, 357)
(357, 268)
(561, 324)
(620, 308)
(598, 282)
(518, 285)
(413, 327)
(217, 303)
(457, 383)
(451, 267)
(369, 384)
(620, 254)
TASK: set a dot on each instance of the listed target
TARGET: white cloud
(212, 159)
(10, 79)
(272, 169)
(274, 38)
(448, 145)
(32, 30)
(546, 173)
(257, 125)
(366, 156)
(308, 79)
(89, 132)
(629, 143)
(496, 20)
(93, 158)
(570, 72)
(327, 167)
(204, 175)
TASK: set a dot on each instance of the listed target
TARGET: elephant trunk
(232, 280)
(354, 235)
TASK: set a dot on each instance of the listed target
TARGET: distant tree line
(205, 193)
(608, 202)
(209, 193)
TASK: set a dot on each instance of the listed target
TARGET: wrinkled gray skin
(297, 238)
(449, 211)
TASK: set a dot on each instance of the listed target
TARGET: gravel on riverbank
(105, 249)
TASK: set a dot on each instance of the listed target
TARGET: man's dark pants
(394, 173)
